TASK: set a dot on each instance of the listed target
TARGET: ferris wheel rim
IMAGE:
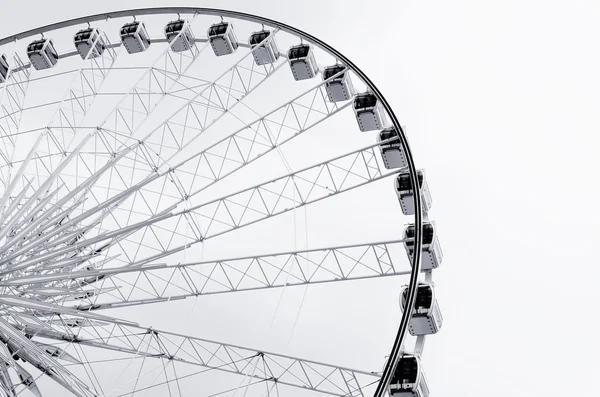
(412, 170)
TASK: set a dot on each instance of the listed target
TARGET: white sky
(500, 102)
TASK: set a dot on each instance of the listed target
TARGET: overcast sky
(500, 103)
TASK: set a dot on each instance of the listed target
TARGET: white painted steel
(52, 227)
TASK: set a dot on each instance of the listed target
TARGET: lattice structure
(117, 170)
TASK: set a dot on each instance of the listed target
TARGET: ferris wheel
(154, 155)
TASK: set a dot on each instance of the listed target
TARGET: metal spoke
(117, 168)
(151, 343)
(316, 266)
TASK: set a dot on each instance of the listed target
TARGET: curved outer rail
(416, 265)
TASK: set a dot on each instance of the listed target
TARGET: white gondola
(405, 192)
(340, 87)
(431, 252)
(179, 42)
(135, 37)
(264, 47)
(42, 54)
(392, 152)
(89, 39)
(426, 317)
(408, 379)
(4, 68)
(222, 38)
(369, 112)
(302, 62)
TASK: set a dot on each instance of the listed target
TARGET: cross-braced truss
(113, 178)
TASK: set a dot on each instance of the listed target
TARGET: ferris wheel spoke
(250, 206)
(136, 93)
(148, 285)
(206, 107)
(43, 189)
(254, 140)
(140, 153)
(41, 214)
(262, 193)
(126, 166)
(135, 284)
(240, 209)
(80, 94)
(162, 77)
(283, 194)
(26, 349)
(137, 103)
(71, 112)
(206, 167)
(250, 83)
(71, 116)
(149, 91)
(286, 108)
(229, 155)
(12, 102)
(71, 123)
(135, 341)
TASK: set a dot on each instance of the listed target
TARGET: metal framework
(61, 261)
